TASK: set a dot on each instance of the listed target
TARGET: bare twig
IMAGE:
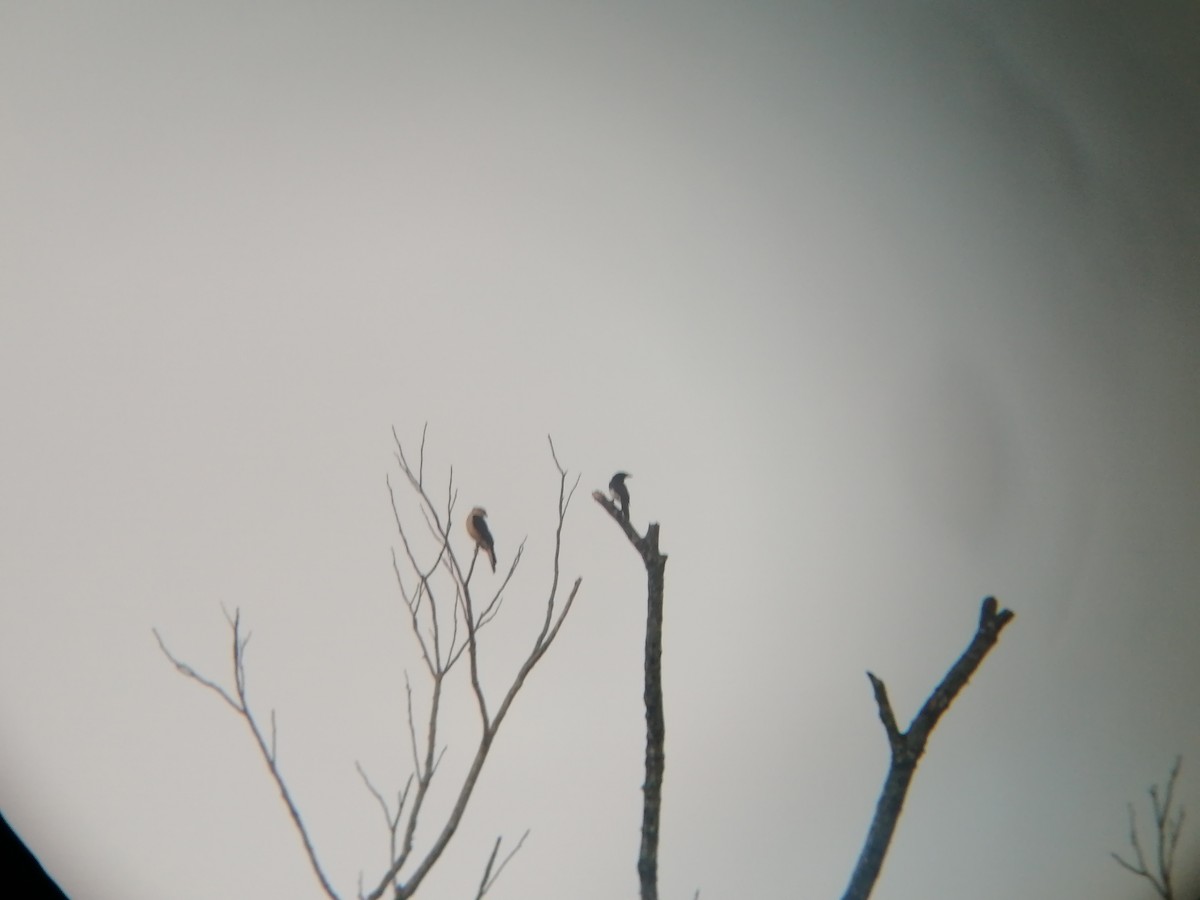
(1166, 830)
(412, 729)
(489, 877)
(393, 820)
(188, 671)
(421, 458)
(908, 746)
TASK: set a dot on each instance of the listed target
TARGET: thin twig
(383, 804)
(189, 672)
(489, 878)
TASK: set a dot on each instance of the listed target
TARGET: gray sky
(885, 306)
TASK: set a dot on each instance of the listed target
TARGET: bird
(477, 528)
(620, 493)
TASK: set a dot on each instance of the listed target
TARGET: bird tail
(492, 558)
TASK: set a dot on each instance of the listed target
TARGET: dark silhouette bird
(477, 528)
(620, 493)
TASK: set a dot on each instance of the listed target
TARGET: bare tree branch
(1166, 832)
(446, 628)
(655, 563)
(242, 707)
(463, 612)
(907, 747)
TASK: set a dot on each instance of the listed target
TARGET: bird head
(479, 511)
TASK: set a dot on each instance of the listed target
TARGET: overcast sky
(886, 306)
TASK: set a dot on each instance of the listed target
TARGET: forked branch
(491, 872)
(907, 746)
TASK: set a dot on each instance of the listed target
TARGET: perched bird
(620, 493)
(477, 528)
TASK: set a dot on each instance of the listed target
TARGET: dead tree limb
(1166, 833)
(907, 746)
(655, 563)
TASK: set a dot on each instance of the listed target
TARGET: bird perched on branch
(620, 493)
(477, 528)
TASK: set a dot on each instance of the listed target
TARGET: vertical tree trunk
(655, 725)
(656, 564)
